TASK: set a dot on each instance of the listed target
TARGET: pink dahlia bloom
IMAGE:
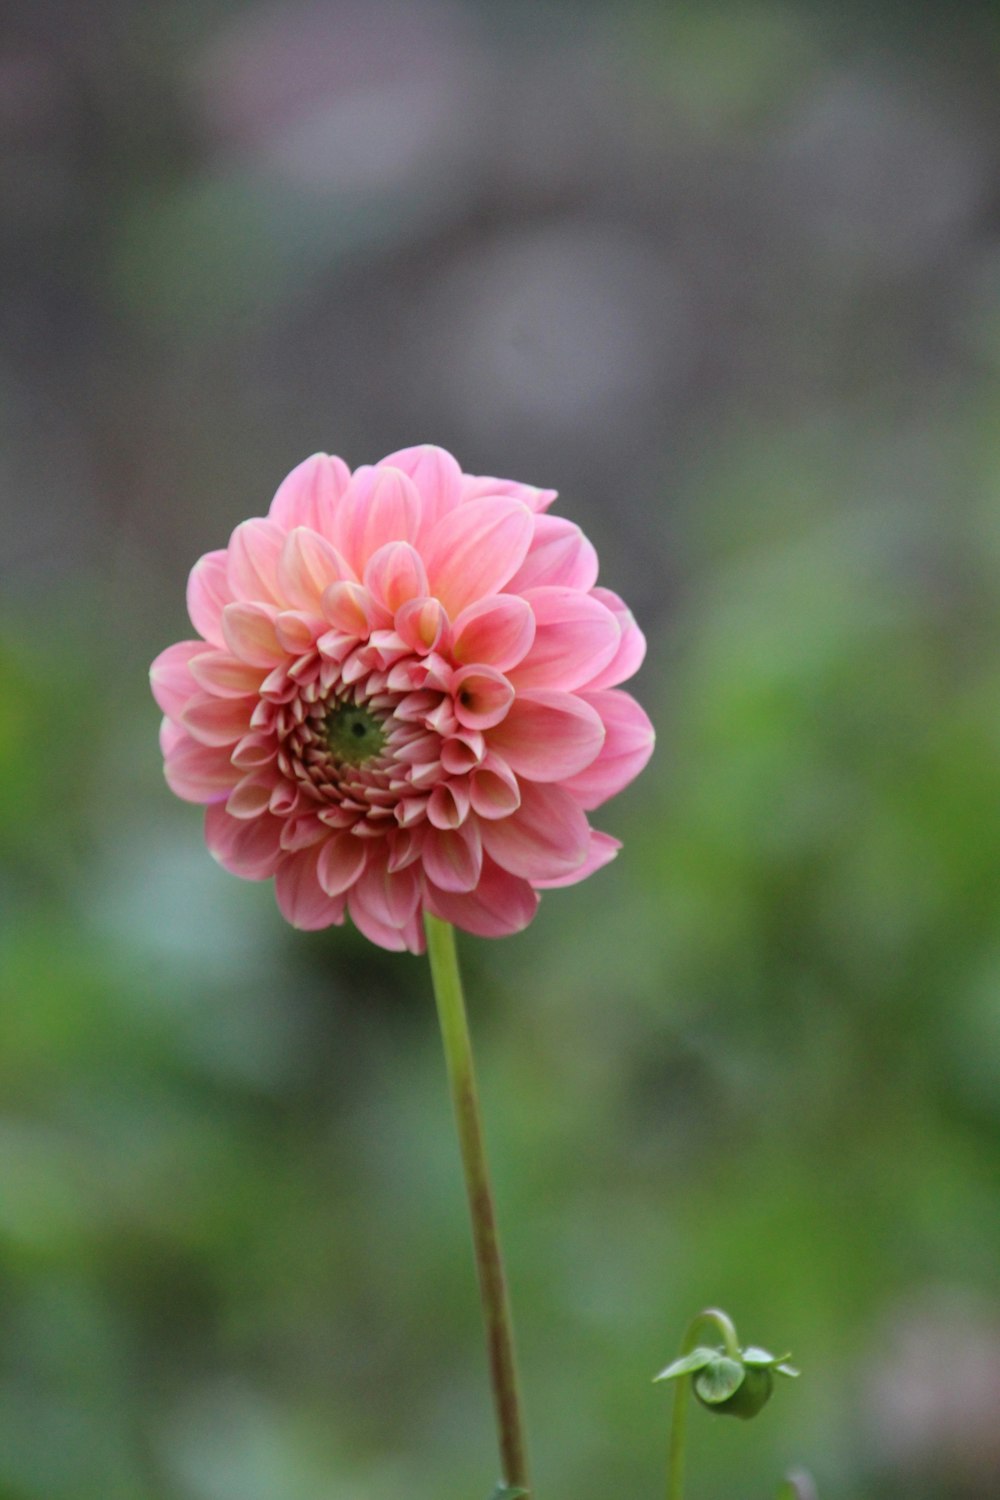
(403, 698)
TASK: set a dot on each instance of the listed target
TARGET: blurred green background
(728, 276)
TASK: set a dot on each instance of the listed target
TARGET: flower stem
(489, 1264)
(678, 1420)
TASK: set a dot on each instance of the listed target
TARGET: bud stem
(678, 1421)
(489, 1263)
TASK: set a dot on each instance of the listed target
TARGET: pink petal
(218, 721)
(474, 549)
(482, 696)
(395, 939)
(494, 789)
(453, 857)
(461, 752)
(251, 796)
(300, 898)
(448, 805)
(307, 564)
(252, 567)
(255, 750)
(224, 675)
(628, 744)
(170, 677)
(208, 593)
(436, 476)
(422, 625)
(380, 505)
(474, 486)
(250, 634)
(351, 609)
(497, 631)
(300, 833)
(395, 574)
(248, 849)
(559, 556)
(404, 848)
(298, 631)
(500, 905)
(341, 860)
(548, 736)
(390, 899)
(285, 798)
(308, 496)
(575, 637)
(199, 773)
(631, 651)
(603, 849)
(171, 735)
(547, 837)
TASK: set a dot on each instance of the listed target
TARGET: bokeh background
(727, 275)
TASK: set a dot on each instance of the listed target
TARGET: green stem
(489, 1264)
(678, 1420)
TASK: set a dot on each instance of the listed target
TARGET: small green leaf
(687, 1364)
(751, 1355)
(788, 1370)
(719, 1380)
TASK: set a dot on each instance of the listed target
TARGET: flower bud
(734, 1384)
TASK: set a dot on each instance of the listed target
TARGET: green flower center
(353, 735)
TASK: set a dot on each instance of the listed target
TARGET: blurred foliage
(728, 275)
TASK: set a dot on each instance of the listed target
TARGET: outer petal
(208, 593)
(476, 485)
(560, 556)
(170, 678)
(307, 564)
(370, 908)
(224, 675)
(250, 634)
(437, 477)
(250, 848)
(575, 637)
(308, 496)
(252, 568)
(340, 861)
(547, 837)
(199, 773)
(453, 857)
(218, 721)
(301, 899)
(380, 505)
(390, 898)
(632, 649)
(474, 549)
(497, 631)
(628, 744)
(603, 849)
(548, 736)
(500, 905)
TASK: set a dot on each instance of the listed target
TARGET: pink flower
(403, 698)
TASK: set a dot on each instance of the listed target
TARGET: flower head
(403, 698)
(736, 1383)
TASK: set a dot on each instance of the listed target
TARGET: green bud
(731, 1384)
(752, 1392)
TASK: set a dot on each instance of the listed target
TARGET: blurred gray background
(727, 275)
